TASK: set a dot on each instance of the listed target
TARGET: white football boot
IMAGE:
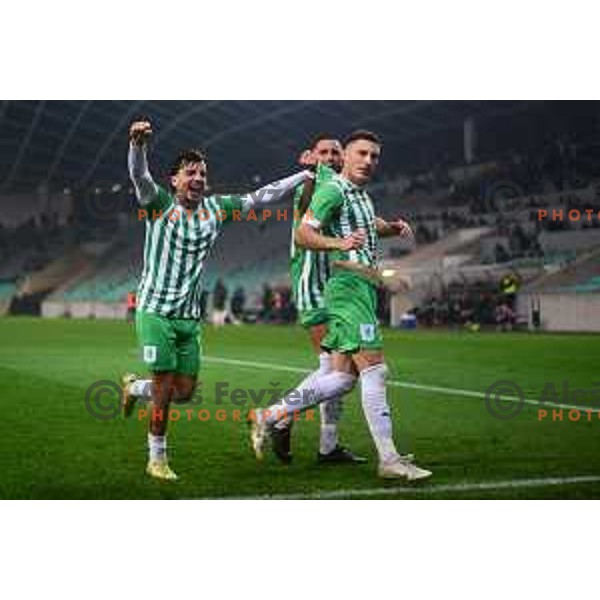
(400, 468)
(259, 435)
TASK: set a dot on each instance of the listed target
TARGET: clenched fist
(140, 132)
(307, 159)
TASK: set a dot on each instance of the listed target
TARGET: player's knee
(376, 373)
(345, 381)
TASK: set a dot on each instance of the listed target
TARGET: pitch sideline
(400, 384)
(416, 490)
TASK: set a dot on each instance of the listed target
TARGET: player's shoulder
(163, 200)
(217, 202)
(212, 202)
(324, 173)
(163, 192)
(367, 195)
(333, 186)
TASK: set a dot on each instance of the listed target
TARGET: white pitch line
(483, 486)
(403, 384)
(255, 365)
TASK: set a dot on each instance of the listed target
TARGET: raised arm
(145, 188)
(272, 192)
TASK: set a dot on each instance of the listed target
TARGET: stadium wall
(84, 310)
(562, 312)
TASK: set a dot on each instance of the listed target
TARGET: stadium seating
(457, 226)
(7, 289)
(113, 273)
(55, 273)
(581, 275)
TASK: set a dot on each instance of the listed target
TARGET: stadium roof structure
(81, 144)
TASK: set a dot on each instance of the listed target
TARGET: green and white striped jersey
(309, 273)
(338, 208)
(309, 269)
(178, 241)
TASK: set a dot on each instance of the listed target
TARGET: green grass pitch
(50, 447)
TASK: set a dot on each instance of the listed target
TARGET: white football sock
(325, 362)
(313, 390)
(141, 388)
(377, 411)
(157, 447)
(330, 412)
(328, 440)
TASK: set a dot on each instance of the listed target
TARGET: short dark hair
(320, 137)
(362, 134)
(186, 157)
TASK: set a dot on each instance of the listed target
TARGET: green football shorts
(312, 317)
(168, 345)
(352, 307)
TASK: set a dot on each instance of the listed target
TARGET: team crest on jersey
(367, 332)
(150, 353)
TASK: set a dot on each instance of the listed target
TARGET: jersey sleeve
(227, 205)
(324, 173)
(326, 202)
(161, 201)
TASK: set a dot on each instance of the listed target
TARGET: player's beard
(337, 167)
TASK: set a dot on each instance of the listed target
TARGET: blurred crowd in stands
(31, 244)
(484, 303)
(503, 194)
(506, 195)
(276, 305)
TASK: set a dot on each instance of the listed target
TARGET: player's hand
(402, 228)
(140, 132)
(307, 159)
(354, 241)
